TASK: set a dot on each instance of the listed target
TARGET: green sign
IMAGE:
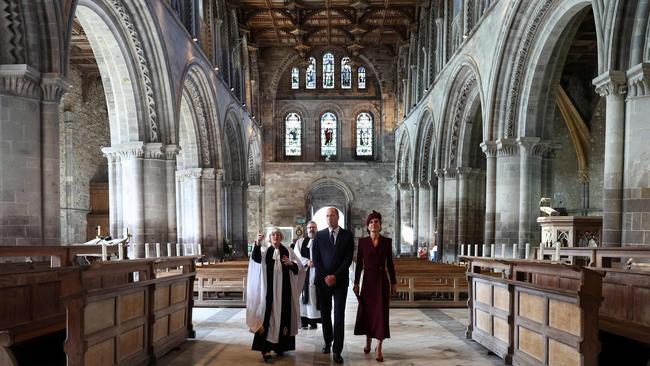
(301, 220)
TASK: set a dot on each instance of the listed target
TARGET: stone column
(424, 211)
(398, 221)
(406, 200)
(220, 211)
(171, 151)
(190, 208)
(526, 170)
(507, 192)
(636, 185)
(21, 191)
(53, 87)
(490, 151)
(227, 210)
(131, 155)
(612, 86)
(209, 212)
(450, 214)
(179, 207)
(415, 216)
(114, 230)
(239, 217)
(440, 173)
(463, 203)
(432, 210)
(154, 173)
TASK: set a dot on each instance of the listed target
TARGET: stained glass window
(293, 135)
(310, 74)
(295, 78)
(346, 73)
(328, 134)
(364, 134)
(328, 71)
(361, 74)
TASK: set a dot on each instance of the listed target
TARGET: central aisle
(419, 337)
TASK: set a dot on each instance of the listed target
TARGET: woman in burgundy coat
(375, 259)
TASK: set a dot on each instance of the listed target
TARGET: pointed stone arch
(234, 189)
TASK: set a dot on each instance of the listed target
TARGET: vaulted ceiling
(353, 24)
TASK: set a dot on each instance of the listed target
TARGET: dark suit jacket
(335, 259)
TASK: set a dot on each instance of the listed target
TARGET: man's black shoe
(338, 358)
(312, 326)
(326, 349)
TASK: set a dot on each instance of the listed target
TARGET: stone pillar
(219, 212)
(424, 212)
(612, 86)
(21, 196)
(490, 151)
(154, 173)
(114, 230)
(179, 207)
(53, 87)
(507, 192)
(450, 214)
(209, 212)
(171, 151)
(440, 173)
(405, 212)
(398, 221)
(636, 181)
(463, 205)
(529, 163)
(227, 210)
(131, 155)
(415, 212)
(190, 207)
(239, 217)
(433, 191)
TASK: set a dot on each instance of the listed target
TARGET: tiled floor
(419, 337)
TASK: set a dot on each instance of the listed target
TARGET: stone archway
(234, 187)
(330, 192)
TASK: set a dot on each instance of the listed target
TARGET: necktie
(332, 241)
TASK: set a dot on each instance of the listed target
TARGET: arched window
(310, 74)
(328, 71)
(292, 135)
(328, 134)
(364, 134)
(361, 74)
(295, 78)
(346, 73)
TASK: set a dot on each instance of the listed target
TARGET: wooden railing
(524, 320)
(133, 322)
(60, 255)
(598, 257)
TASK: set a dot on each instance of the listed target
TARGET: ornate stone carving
(134, 39)
(208, 173)
(54, 87)
(154, 150)
(451, 172)
(201, 119)
(520, 64)
(21, 80)
(11, 37)
(639, 80)
(489, 149)
(611, 83)
(426, 152)
(171, 151)
(507, 147)
(194, 173)
(457, 116)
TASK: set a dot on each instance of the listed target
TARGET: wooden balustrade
(538, 313)
(60, 255)
(600, 257)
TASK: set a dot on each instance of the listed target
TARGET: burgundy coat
(377, 266)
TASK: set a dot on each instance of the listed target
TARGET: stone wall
(287, 185)
(85, 134)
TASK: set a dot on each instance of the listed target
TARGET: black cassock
(286, 342)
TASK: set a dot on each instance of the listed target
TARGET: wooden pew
(600, 257)
(221, 284)
(421, 283)
(132, 323)
(60, 255)
(525, 320)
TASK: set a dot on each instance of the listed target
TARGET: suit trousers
(339, 294)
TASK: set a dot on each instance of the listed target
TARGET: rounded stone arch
(403, 163)
(424, 148)
(234, 150)
(293, 106)
(121, 73)
(332, 192)
(254, 160)
(198, 123)
(532, 98)
(467, 145)
(323, 108)
(464, 85)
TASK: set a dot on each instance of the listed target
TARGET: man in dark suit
(333, 250)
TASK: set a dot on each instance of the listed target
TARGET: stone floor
(419, 337)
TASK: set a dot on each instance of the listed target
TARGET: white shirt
(336, 233)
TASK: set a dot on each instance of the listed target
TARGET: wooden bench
(221, 284)
(421, 283)
(530, 318)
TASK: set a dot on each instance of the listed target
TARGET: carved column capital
(451, 173)
(440, 173)
(530, 145)
(612, 82)
(171, 151)
(154, 150)
(54, 87)
(208, 174)
(507, 147)
(464, 172)
(20, 80)
(219, 174)
(126, 150)
(639, 80)
(185, 174)
(489, 148)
